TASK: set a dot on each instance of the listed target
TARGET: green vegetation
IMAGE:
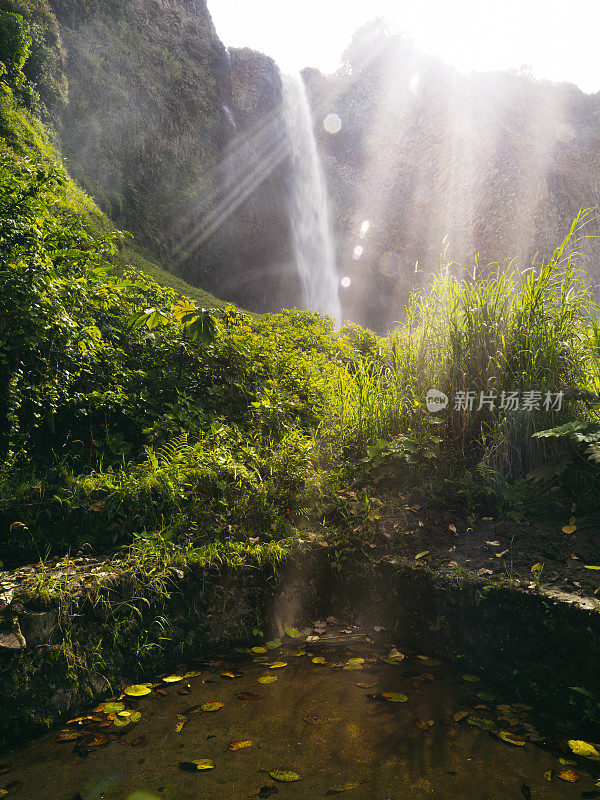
(129, 414)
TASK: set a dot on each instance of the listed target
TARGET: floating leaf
(240, 744)
(172, 678)
(230, 675)
(124, 718)
(548, 775)
(285, 776)
(584, 749)
(355, 662)
(569, 529)
(68, 736)
(511, 738)
(590, 566)
(343, 788)
(268, 679)
(318, 660)
(460, 715)
(212, 706)
(568, 775)
(273, 644)
(394, 697)
(425, 725)
(249, 696)
(422, 555)
(109, 708)
(566, 762)
(293, 633)
(471, 678)
(298, 653)
(183, 721)
(259, 649)
(365, 685)
(482, 722)
(196, 766)
(278, 665)
(137, 690)
(486, 697)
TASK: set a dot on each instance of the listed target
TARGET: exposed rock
(12, 639)
(38, 626)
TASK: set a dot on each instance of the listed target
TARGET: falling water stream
(312, 237)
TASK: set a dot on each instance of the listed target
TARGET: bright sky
(558, 40)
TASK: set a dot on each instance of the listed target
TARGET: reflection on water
(350, 723)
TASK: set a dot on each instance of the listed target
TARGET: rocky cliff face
(179, 141)
(447, 167)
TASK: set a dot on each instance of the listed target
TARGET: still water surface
(315, 721)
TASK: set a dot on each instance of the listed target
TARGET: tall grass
(513, 332)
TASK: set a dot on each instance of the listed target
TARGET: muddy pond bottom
(305, 721)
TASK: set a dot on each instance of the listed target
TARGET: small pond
(344, 715)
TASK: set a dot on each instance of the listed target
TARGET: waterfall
(312, 237)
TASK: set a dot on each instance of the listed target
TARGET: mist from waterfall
(312, 237)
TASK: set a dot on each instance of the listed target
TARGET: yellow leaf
(259, 649)
(584, 749)
(278, 665)
(212, 706)
(395, 697)
(268, 679)
(240, 744)
(138, 690)
(460, 715)
(182, 722)
(511, 738)
(285, 776)
(569, 529)
(318, 660)
(293, 633)
(173, 678)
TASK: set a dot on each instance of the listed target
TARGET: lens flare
(358, 251)
(364, 228)
(332, 123)
(345, 282)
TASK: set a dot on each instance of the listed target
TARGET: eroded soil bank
(85, 644)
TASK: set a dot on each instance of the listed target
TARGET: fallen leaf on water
(365, 685)
(422, 555)
(259, 649)
(68, 736)
(285, 776)
(240, 744)
(318, 660)
(471, 678)
(585, 749)
(273, 644)
(212, 706)
(124, 718)
(569, 776)
(278, 665)
(548, 775)
(344, 788)
(511, 738)
(185, 689)
(109, 708)
(249, 696)
(590, 566)
(137, 690)
(355, 662)
(499, 555)
(172, 678)
(293, 633)
(486, 697)
(268, 679)
(182, 722)
(196, 766)
(425, 724)
(460, 715)
(394, 697)
(568, 529)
